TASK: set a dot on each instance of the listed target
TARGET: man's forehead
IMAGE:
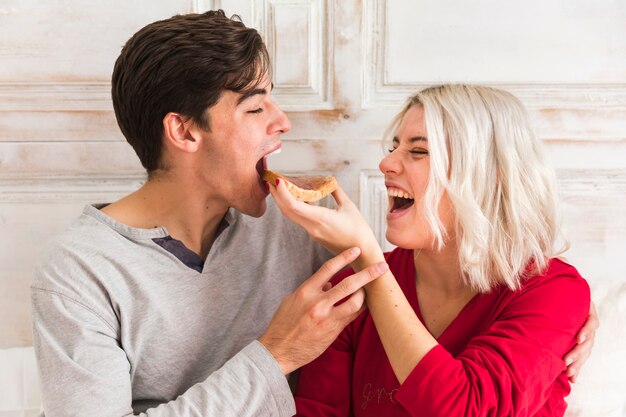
(262, 88)
(232, 99)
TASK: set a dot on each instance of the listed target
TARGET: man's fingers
(589, 328)
(352, 307)
(579, 353)
(332, 266)
(352, 283)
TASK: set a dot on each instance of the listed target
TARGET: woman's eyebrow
(412, 140)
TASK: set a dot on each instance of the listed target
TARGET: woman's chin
(407, 239)
(397, 240)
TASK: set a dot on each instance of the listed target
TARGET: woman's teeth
(395, 192)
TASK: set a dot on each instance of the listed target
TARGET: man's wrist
(286, 366)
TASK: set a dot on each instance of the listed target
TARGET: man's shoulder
(75, 251)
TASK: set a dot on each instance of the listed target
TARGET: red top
(501, 356)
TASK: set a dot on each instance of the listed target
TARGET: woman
(476, 312)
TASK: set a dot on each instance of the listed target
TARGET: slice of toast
(306, 189)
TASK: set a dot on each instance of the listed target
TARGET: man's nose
(281, 123)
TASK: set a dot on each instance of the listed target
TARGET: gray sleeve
(85, 372)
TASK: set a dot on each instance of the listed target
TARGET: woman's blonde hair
(486, 157)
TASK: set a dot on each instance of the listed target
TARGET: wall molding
(67, 189)
(317, 93)
(592, 182)
(201, 6)
(378, 91)
(373, 203)
(55, 96)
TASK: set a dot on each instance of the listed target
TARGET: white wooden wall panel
(563, 54)
(565, 60)
(32, 211)
(298, 35)
(341, 69)
(533, 42)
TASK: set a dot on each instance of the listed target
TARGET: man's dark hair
(181, 64)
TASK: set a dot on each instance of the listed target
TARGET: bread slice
(306, 189)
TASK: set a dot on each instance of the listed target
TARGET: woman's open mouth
(399, 200)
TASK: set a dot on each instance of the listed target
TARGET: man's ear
(180, 132)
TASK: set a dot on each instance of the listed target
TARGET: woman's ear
(181, 132)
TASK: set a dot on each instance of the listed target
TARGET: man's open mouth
(261, 165)
(399, 200)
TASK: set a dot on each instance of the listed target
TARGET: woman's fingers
(340, 196)
(291, 207)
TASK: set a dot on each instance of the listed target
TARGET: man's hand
(575, 358)
(308, 320)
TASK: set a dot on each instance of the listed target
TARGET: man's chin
(256, 210)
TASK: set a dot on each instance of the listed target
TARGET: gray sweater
(123, 327)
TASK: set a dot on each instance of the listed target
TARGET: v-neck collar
(413, 301)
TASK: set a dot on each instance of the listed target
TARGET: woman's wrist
(370, 255)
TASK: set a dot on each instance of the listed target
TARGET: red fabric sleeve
(511, 368)
(324, 385)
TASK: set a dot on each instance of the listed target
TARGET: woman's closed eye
(255, 111)
(417, 151)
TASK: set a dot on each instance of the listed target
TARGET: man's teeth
(277, 151)
(395, 192)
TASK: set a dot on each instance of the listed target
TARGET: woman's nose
(389, 164)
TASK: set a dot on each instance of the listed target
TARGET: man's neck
(188, 214)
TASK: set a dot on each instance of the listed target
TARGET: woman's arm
(404, 337)
(514, 365)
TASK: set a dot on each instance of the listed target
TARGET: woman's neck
(439, 272)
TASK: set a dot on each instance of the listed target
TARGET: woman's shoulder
(558, 275)
(559, 290)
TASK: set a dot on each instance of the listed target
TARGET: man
(160, 304)
(164, 303)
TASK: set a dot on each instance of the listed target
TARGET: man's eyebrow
(253, 92)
